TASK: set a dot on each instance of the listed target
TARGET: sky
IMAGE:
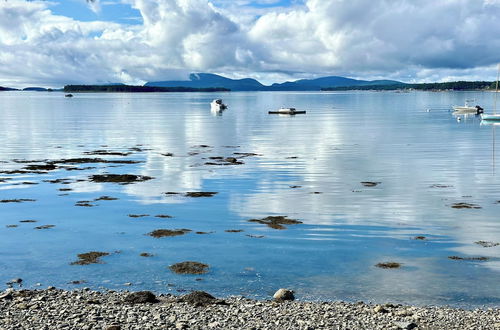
(57, 42)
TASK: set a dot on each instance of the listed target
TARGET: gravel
(85, 309)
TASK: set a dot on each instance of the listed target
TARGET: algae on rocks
(189, 267)
(92, 257)
(276, 222)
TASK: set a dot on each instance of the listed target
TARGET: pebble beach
(111, 310)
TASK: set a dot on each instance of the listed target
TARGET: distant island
(136, 89)
(455, 86)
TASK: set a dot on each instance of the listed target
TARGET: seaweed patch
(93, 257)
(276, 222)
(189, 267)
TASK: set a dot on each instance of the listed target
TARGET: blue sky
(58, 42)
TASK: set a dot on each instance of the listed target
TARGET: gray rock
(141, 297)
(284, 294)
(405, 325)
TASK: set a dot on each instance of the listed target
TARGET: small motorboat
(467, 108)
(68, 95)
(287, 111)
(217, 105)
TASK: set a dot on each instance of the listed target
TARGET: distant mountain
(207, 80)
(7, 89)
(325, 82)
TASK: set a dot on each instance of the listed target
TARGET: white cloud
(424, 41)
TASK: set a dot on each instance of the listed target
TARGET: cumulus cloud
(401, 39)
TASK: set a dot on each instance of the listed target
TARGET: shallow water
(308, 167)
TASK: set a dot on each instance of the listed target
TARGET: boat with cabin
(217, 105)
(467, 108)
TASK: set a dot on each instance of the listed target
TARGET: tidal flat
(366, 197)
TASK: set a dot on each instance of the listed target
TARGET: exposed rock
(168, 233)
(487, 244)
(370, 183)
(406, 325)
(276, 222)
(43, 167)
(388, 265)
(465, 206)
(284, 294)
(380, 309)
(469, 258)
(234, 230)
(198, 298)
(200, 194)
(20, 200)
(106, 198)
(138, 215)
(45, 227)
(93, 257)
(141, 297)
(164, 216)
(119, 178)
(189, 267)
(107, 152)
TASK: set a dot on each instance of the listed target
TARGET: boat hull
(490, 117)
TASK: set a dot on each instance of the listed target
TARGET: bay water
(374, 177)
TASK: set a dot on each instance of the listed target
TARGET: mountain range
(207, 80)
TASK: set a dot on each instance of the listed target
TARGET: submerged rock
(107, 152)
(469, 258)
(163, 216)
(388, 265)
(43, 167)
(106, 198)
(189, 267)
(465, 206)
(20, 200)
(92, 257)
(276, 222)
(200, 194)
(284, 294)
(168, 233)
(119, 178)
(45, 227)
(370, 183)
(487, 244)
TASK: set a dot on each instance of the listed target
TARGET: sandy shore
(85, 309)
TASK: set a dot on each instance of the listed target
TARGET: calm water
(309, 167)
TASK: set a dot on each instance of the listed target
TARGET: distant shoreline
(136, 89)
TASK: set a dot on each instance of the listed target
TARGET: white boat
(217, 105)
(287, 111)
(467, 108)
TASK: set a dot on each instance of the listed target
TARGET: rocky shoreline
(85, 309)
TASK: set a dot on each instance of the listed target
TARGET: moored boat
(467, 108)
(287, 111)
(217, 105)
